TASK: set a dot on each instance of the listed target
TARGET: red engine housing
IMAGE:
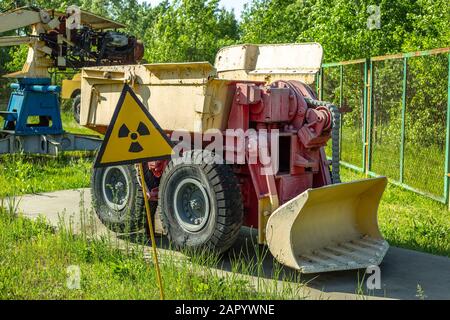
(303, 132)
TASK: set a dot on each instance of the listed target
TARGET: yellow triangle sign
(133, 135)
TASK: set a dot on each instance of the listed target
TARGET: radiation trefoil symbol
(133, 135)
(135, 146)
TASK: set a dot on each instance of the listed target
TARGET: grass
(23, 174)
(37, 257)
(423, 166)
(42, 260)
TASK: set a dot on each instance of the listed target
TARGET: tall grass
(34, 260)
(423, 165)
(24, 174)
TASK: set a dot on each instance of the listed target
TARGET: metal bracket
(49, 144)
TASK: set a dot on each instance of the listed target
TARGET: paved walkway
(401, 271)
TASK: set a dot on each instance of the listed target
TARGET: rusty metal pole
(152, 234)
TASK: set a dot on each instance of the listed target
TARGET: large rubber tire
(222, 225)
(129, 216)
(76, 108)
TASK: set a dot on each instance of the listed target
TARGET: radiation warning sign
(133, 135)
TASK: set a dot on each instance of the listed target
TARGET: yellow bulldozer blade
(329, 228)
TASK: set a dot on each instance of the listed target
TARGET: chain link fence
(387, 93)
(395, 119)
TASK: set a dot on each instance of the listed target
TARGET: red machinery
(271, 172)
(304, 126)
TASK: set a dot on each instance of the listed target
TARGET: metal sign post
(134, 137)
(152, 233)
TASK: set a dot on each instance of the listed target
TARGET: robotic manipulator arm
(54, 42)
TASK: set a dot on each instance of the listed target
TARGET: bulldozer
(201, 198)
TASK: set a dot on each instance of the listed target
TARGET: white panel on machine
(271, 59)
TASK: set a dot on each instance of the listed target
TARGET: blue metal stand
(32, 122)
(33, 108)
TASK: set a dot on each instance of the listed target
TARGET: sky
(237, 5)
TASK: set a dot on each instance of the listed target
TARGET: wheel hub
(115, 188)
(191, 203)
(195, 204)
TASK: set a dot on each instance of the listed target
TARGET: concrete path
(401, 271)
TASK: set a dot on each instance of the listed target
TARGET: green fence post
(365, 126)
(321, 84)
(402, 137)
(370, 118)
(317, 81)
(447, 142)
(341, 99)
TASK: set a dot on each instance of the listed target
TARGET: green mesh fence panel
(386, 110)
(331, 76)
(425, 125)
(417, 164)
(353, 114)
(331, 92)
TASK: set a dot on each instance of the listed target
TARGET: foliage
(190, 30)
(176, 30)
(341, 25)
(187, 30)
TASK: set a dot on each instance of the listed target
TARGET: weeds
(420, 293)
(38, 257)
(24, 174)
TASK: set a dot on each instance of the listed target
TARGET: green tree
(341, 25)
(190, 30)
